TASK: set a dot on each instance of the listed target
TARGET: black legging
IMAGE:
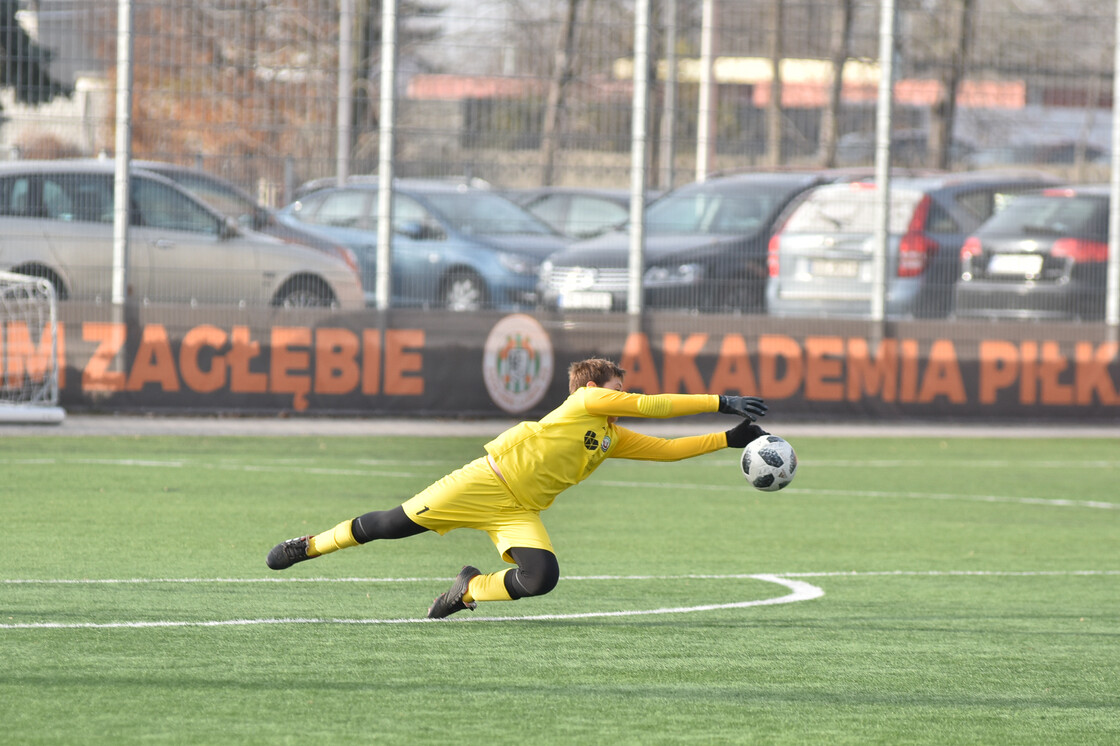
(537, 569)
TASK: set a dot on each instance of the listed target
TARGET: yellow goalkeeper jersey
(539, 460)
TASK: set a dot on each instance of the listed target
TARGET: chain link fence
(752, 106)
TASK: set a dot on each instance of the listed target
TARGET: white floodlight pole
(345, 89)
(638, 135)
(383, 284)
(123, 135)
(1112, 284)
(704, 114)
(883, 160)
(122, 182)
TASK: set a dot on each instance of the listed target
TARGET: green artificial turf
(971, 595)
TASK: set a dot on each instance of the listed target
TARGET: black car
(705, 248)
(1043, 257)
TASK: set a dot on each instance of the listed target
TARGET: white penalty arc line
(683, 576)
(799, 591)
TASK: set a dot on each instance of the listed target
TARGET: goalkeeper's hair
(595, 370)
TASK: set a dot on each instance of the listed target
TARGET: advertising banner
(490, 364)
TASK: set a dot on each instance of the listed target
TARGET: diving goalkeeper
(524, 469)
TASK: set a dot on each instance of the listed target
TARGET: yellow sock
(490, 587)
(337, 538)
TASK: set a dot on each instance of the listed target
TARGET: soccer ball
(769, 463)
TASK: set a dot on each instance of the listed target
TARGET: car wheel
(464, 291)
(743, 296)
(45, 274)
(304, 292)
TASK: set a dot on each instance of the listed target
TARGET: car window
(16, 197)
(940, 221)
(223, 199)
(712, 210)
(587, 215)
(979, 203)
(160, 206)
(345, 208)
(549, 208)
(408, 210)
(1052, 216)
(478, 212)
(739, 216)
(407, 213)
(84, 197)
(57, 203)
(850, 210)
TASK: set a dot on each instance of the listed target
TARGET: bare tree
(774, 103)
(840, 49)
(561, 76)
(943, 114)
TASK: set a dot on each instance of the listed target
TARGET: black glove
(743, 433)
(750, 407)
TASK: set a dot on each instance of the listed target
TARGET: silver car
(56, 222)
(821, 259)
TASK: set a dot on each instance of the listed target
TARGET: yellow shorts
(474, 497)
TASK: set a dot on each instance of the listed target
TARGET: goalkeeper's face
(614, 383)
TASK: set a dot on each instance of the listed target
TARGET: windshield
(1043, 215)
(485, 214)
(226, 201)
(741, 209)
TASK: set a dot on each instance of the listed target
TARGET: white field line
(683, 576)
(287, 465)
(1049, 502)
(799, 591)
(687, 487)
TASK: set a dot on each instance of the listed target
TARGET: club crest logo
(517, 363)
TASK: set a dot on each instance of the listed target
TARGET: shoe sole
(278, 559)
(457, 589)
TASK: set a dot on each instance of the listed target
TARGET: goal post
(29, 364)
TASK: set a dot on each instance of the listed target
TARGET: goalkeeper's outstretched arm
(603, 401)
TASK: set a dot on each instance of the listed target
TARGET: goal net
(28, 350)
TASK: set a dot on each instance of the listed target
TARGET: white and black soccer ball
(769, 463)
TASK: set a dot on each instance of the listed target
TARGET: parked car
(705, 248)
(452, 247)
(327, 182)
(1045, 153)
(1044, 257)
(576, 212)
(821, 259)
(56, 222)
(235, 203)
(909, 148)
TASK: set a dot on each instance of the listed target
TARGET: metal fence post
(638, 147)
(385, 154)
(883, 160)
(1112, 297)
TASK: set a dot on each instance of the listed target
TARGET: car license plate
(1026, 265)
(834, 268)
(586, 300)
